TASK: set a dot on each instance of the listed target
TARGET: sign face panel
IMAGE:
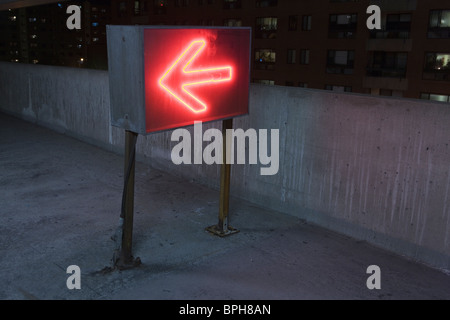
(195, 74)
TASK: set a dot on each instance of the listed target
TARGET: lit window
(437, 66)
(265, 59)
(435, 97)
(439, 24)
(265, 56)
(437, 61)
(266, 28)
(439, 19)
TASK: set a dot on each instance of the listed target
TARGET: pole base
(216, 230)
(124, 264)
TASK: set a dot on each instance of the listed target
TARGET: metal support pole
(126, 259)
(222, 228)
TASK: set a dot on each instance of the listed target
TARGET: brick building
(321, 44)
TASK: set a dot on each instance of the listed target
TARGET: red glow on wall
(197, 77)
(195, 74)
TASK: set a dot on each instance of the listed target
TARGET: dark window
(232, 4)
(232, 22)
(342, 26)
(398, 26)
(160, 7)
(340, 61)
(291, 56)
(266, 3)
(304, 56)
(338, 88)
(293, 20)
(388, 64)
(266, 82)
(306, 23)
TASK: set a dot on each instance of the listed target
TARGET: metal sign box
(167, 77)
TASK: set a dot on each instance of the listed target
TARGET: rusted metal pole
(222, 228)
(126, 259)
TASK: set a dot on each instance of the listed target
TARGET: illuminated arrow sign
(190, 74)
(176, 85)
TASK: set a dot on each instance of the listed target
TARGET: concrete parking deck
(60, 204)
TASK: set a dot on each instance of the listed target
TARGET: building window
(122, 8)
(342, 26)
(388, 64)
(160, 7)
(386, 92)
(266, 82)
(232, 22)
(338, 88)
(265, 59)
(303, 85)
(439, 24)
(304, 56)
(437, 66)
(435, 97)
(339, 61)
(306, 23)
(266, 3)
(232, 4)
(207, 22)
(266, 28)
(293, 20)
(291, 56)
(398, 26)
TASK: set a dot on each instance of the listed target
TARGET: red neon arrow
(178, 77)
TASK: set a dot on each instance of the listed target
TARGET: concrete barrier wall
(377, 169)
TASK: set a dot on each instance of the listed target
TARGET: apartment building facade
(320, 44)
(39, 35)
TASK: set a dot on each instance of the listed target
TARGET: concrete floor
(60, 204)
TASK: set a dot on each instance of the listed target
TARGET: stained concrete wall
(377, 169)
